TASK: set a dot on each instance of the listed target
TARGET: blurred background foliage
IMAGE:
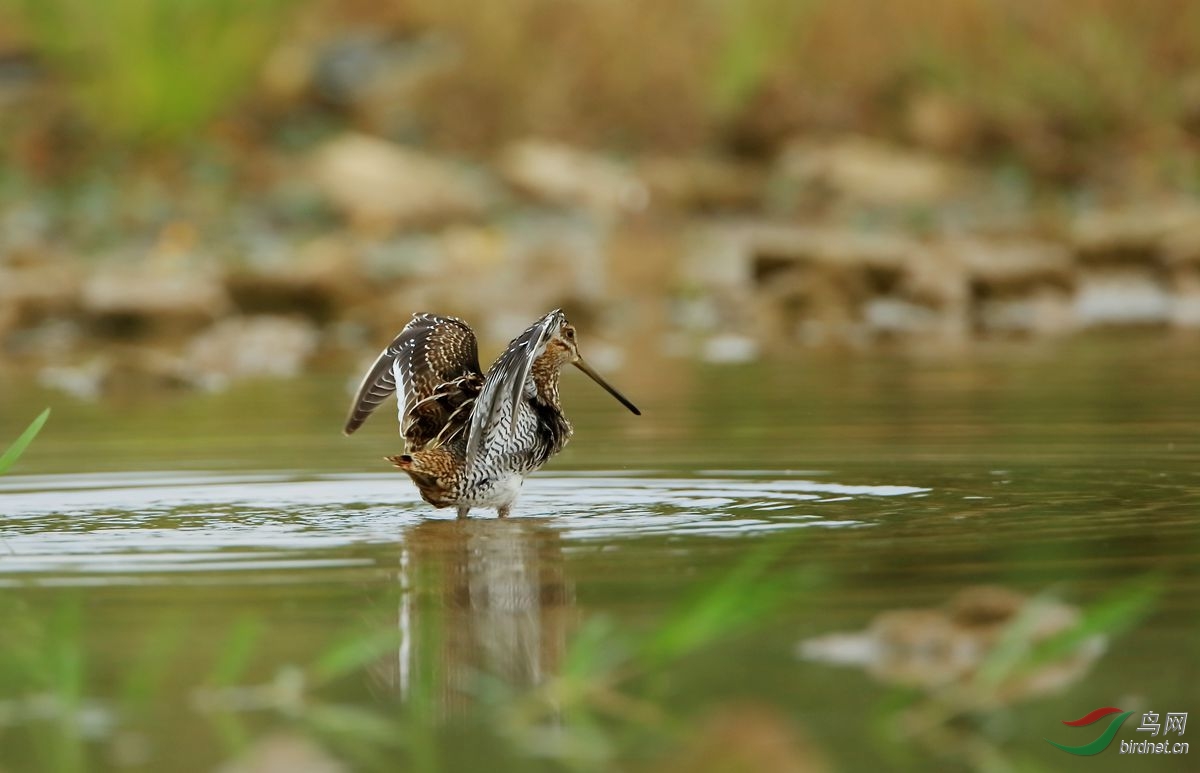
(978, 77)
(149, 70)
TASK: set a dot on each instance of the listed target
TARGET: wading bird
(470, 439)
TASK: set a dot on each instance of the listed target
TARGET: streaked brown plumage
(470, 439)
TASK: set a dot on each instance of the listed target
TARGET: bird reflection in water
(480, 597)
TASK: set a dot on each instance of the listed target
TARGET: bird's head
(563, 348)
(562, 344)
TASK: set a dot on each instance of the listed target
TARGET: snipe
(469, 438)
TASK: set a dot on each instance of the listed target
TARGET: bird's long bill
(607, 387)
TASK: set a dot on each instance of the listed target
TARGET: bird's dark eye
(570, 334)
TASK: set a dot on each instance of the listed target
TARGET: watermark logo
(1105, 738)
(1175, 721)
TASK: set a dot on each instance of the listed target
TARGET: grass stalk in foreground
(10, 456)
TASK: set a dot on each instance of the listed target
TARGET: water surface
(144, 532)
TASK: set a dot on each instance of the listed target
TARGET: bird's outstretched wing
(504, 385)
(435, 363)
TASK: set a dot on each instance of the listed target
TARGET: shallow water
(141, 534)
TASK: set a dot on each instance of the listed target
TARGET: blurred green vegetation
(63, 703)
(153, 70)
(14, 451)
(758, 34)
(613, 702)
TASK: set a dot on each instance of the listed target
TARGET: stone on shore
(248, 347)
(870, 172)
(567, 177)
(379, 185)
(1019, 287)
(33, 291)
(137, 299)
(823, 285)
(703, 184)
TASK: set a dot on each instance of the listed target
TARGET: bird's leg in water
(502, 512)
(462, 511)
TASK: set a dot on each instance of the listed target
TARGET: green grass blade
(18, 447)
(1113, 614)
(235, 656)
(743, 597)
(354, 653)
(1018, 652)
(598, 648)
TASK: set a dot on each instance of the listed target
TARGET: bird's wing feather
(434, 361)
(506, 382)
(376, 386)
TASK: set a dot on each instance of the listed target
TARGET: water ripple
(86, 527)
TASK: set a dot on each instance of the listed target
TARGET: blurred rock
(895, 317)
(1132, 262)
(378, 184)
(567, 177)
(282, 293)
(83, 382)
(936, 648)
(1024, 287)
(1182, 254)
(1136, 235)
(1014, 267)
(317, 279)
(824, 285)
(1181, 243)
(1185, 310)
(135, 300)
(283, 753)
(36, 290)
(937, 281)
(1118, 295)
(1040, 311)
(119, 370)
(248, 347)
(52, 338)
(703, 184)
(503, 277)
(871, 172)
(729, 349)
